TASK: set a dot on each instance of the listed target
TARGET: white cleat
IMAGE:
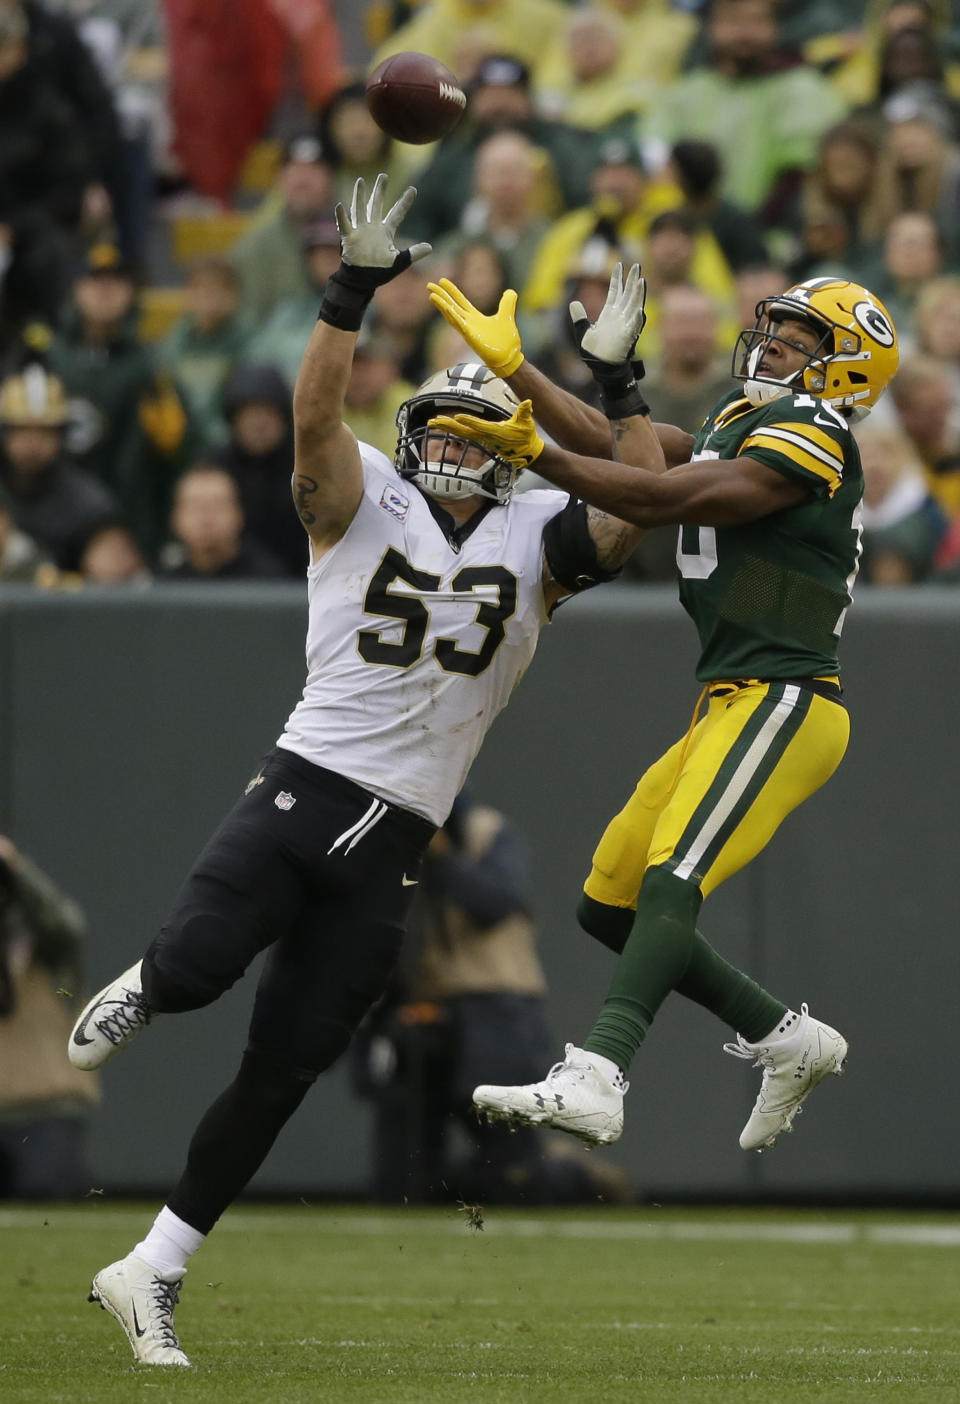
(111, 1020)
(142, 1300)
(792, 1067)
(574, 1096)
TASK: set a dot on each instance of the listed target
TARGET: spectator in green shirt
(761, 107)
(208, 342)
(269, 258)
(129, 425)
(282, 339)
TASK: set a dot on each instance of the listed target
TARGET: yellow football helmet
(855, 360)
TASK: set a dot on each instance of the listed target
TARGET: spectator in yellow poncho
(610, 60)
(625, 205)
(449, 30)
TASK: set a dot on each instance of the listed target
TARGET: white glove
(368, 236)
(613, 336)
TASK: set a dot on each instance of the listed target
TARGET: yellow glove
(495, 339)
(515, 440)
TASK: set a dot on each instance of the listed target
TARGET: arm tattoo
(303, 490)
(619, 429)
(613, 538)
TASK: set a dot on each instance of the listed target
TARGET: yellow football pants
(715, 799)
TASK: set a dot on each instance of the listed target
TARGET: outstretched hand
(607, 346)
(495, 339)
(368, 236)
(612, 338)
(515, 440)
(369, 256)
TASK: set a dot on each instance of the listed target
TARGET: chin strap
(761, 392)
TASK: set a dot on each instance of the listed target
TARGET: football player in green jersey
(767, 496)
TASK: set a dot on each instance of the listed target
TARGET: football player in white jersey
(428, 584)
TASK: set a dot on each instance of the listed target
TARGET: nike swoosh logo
(79, 1037)
(140, 1330)
(408, 882)
(827, 423)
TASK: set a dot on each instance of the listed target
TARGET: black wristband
(623, 403)
(345, 299)
(620, 395)
(350, 290)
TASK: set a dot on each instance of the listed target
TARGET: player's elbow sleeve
(571, 551)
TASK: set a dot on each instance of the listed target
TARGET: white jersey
(413, 645)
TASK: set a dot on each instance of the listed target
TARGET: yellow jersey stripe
(802, 458)
(817, 436)
(771, 436)
(732, 411)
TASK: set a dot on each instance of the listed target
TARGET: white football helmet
(437, 464)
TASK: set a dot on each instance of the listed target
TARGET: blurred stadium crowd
(168, 171)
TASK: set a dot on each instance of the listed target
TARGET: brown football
(415, 98)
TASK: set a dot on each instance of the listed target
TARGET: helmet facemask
(808, 378)
(438, 462)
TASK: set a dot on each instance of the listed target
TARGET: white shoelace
(567, 1066)
(763, 1055)
(760, 1057)
(581, 1068)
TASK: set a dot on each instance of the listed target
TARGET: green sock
(708, 980)
(729, 993)
(654, 959)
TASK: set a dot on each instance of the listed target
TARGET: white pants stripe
(363, 826)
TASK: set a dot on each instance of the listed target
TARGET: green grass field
(291, 1303)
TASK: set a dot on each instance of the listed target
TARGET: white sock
(785, 1029)
(606, 1066)
(170, 1244)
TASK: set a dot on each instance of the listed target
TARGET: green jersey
(769, 597)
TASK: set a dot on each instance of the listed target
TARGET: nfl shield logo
(284, 800)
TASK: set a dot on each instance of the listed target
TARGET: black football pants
(319, 871)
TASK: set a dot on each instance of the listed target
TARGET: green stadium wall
(131, 721)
